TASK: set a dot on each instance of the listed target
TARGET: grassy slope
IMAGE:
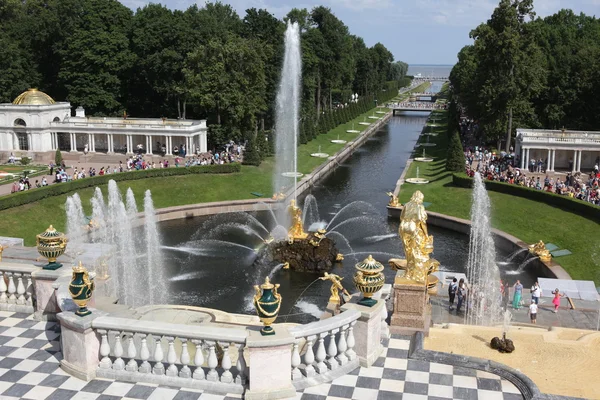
(526, 219)
(28, 220)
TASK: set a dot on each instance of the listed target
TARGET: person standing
(461, 293)
(536, 293)
(533, 308)
(452, 288)
(517, 295)
(556, 299)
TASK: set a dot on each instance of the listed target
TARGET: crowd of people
(61, 173)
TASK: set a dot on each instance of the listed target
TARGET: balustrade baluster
(12, 289)
(241, 366)
(171, 357)
(185, 371)
(159, 368)
(20, 290)
(342, 347)
(321, 354)
(3, 288)
(105, 362)
(28, 291)
(309, 357)
(212, 375)
(350, 342)
(296, 374)
(132, 365)
(145, 367)
(198, 361)
(332, 351)
(226, 376)
(118, 364)
(385, 329)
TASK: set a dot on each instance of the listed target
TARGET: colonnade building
(560, 150)
(34, 123)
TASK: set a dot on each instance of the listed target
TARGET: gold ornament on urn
(51, 244)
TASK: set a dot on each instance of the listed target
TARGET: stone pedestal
(80, 344)
(270, 364)
(367, 331)
(46, 305)
(412, 311)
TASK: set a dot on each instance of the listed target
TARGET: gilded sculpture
(393, 200)
(540, 250)
(336, 286)
(418, 244)
(296, 230)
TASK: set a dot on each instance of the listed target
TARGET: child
(533, 312)
(556, 300)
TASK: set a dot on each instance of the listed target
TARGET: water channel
(218, 275)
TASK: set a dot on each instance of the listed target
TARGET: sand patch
(562, 361)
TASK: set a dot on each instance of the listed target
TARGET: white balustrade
(171, 353)
(325, 345)
(16, 288)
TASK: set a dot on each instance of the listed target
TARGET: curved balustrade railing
(201, 357)
(16, 289)
(323, 350)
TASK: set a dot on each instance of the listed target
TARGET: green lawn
(28, 220)
(528, 220)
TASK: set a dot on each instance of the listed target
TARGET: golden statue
(417, 242)
(1, 251)
(296, 231)
(540, 250)
(286, 265)
(339, 257)
(278, 196)
(393, 200)
(336, 285)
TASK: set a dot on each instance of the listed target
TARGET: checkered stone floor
(30, 356)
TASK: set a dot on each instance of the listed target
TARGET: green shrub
(251, 153)
(580, 207)
(25, 160)
(58, 157)
(455, 159)
(30, 196)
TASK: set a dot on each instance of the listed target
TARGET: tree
(58, 157)
(455, 159)
(251, 153)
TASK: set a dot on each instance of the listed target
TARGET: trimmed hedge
(580, 207)
(33, 195)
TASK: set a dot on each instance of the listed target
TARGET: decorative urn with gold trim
(267, 303)
(369, 279)
(81, 289)
(51, 244)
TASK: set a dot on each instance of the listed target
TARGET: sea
(429, 69)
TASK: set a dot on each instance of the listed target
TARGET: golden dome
(33, 97)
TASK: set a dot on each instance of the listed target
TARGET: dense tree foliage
(204, 62)
(523, 71)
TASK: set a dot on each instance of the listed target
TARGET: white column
(110, 143)
(149, 145)
(128, 143)
(579, 160)
(574, 161)
(73, 142)
(523, 150)
(526, 159)
(203, 144)
(93, 142)
(548, 160)
(553, 159)
(169, 149)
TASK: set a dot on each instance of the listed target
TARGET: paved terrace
(30, 354)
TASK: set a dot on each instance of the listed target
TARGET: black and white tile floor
(30, 355)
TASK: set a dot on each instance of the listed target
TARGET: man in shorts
(533, 308)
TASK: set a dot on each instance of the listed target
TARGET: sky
(416, 32)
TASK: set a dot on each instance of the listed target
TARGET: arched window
(20, 123)
(56, 119)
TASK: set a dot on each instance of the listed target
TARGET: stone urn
(51, 244)
(267, 303)
(369, 279)
(81, 289)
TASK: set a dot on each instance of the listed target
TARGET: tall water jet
(155, 275)
(76, 221)
(286, 116)
(483, 274)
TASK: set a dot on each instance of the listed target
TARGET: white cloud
(359, 5)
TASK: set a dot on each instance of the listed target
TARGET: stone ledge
(526, 386)
(327, 376)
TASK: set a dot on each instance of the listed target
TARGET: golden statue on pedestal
(296, 231)
(417, 242)
(393, 200)
(540, 250)
(336, 285)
